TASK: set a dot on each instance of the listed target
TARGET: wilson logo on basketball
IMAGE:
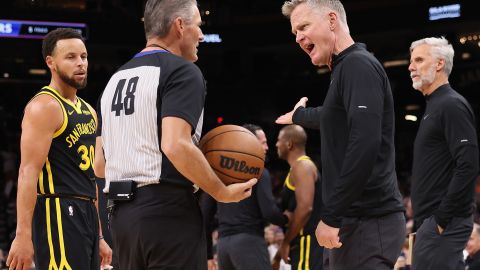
(239, 166)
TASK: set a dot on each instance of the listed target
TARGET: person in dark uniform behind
(362, 202)
(445, 161)
(151, 117)
(241, 244)
(473, 249)
(301, 196)
(56, 183)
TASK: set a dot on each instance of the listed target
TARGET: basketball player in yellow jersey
(301, 196)
(57, 219)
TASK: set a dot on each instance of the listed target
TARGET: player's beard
(426, 79)
(71, 81)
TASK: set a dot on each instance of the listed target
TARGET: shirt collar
(336, 58)
(438, 92)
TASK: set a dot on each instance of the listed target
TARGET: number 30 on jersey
(87, 155)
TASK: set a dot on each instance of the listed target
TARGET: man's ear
(178, 26)
(50, 62)
(289, 144)
(440, 64)
(332, 19)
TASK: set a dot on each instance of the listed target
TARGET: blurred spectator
(277, 240)
(270, 239)
(402, 260)
(473, 247)
(214, 246)
(8, 192)
(274, 236)
(476, 213)
(408, 214)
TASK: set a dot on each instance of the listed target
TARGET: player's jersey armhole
(288, 184)
(90, 108)
(65, 117)
(287, 180)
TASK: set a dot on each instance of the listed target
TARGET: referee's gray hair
(440, 49)
(160, 14)
(335, 5)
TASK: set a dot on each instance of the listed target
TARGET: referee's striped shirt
(152, 85)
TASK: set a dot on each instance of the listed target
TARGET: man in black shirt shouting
(445, 160)
(362, 222)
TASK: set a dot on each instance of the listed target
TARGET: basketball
(234, 153)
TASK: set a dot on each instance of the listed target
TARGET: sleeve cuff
(332, 221)
(297, 114)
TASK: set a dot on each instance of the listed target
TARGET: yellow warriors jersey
(68, 169)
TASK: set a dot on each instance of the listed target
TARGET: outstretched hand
(286, 119)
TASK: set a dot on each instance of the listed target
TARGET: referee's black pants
(161, 229)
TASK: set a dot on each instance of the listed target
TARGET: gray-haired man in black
(445, 161)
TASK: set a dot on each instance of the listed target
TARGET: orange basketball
(234, 153)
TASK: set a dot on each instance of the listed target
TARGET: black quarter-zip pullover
(445, 159)
(356, 125)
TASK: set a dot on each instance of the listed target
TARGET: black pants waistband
(162, 187)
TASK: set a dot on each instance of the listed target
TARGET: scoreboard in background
(32, 29)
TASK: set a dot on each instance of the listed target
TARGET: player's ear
(289, 144)
(50, 62)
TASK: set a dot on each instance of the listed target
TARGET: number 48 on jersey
(126, 103)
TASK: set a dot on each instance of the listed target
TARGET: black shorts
(161, 228)
(65, 234)
(306, 253)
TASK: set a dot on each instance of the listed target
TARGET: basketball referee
(151, 120)
(56, 183)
